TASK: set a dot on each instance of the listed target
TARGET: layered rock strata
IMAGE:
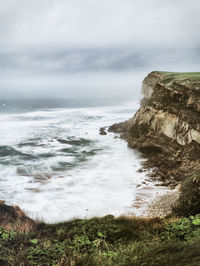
(166, 128)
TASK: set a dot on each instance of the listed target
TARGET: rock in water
(102, 131)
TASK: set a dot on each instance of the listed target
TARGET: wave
(7, 152)
(61, 166)
(73, 141)
(30, 143)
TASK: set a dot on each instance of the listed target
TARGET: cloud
(93, 23)
(49, 43)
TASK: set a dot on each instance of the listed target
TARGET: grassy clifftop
(192, 79)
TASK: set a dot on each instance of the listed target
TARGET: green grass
(105, 241)
(190, 79)
(185, 85)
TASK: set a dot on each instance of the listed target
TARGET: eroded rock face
(170, 125)
(167, 126)
(147, 86)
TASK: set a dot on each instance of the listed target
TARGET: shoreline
(155, 199)
(161, 205)
(152, 200)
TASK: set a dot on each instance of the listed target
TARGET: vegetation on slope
(189, 201)
(105, 241)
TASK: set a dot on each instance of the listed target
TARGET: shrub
(189, 200)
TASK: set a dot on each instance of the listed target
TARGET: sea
(56, 166)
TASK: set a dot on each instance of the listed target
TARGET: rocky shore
(162, 205)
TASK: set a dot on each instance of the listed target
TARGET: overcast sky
(87, 48)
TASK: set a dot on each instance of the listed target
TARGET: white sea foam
(61, 168)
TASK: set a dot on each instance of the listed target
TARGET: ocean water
(56, 166)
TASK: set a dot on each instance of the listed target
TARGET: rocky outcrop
(122, 128)
(13, 218)
(167, 126)
(147, 86)
(102, 131)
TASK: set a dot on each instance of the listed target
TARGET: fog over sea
(56, 166)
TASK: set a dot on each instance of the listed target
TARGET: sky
(92, 48)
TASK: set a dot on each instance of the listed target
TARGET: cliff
(166, 128)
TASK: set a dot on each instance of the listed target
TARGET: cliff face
(171, 106)
(167, 126)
